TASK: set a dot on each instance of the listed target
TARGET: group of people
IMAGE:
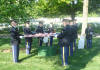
(66, 38)
(15, 37)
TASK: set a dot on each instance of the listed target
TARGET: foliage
(22, 10)
(14, 9)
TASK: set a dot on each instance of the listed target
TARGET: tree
(84, 25)
(85, 17)
(14, 9)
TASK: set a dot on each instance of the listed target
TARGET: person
(40, 30)
(72, 36)
(51, 30)
(75, 34)
(89, 34)
(28, 40)
(15, 40)
(64, 39)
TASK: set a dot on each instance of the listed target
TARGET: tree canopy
(12, 9)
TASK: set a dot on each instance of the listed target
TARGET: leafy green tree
(23, 9)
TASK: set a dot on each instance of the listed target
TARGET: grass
(85, 59)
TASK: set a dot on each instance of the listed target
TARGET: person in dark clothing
(89, 34)
(51, 30)
(40, 30)
(75, 34)
(28, 40)
(15, 40)
(64, 39)
(72, 34)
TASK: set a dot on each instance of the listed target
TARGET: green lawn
(86, 59)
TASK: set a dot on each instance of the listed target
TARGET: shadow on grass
(6, 43)
(33, 53)
(34, 50)
(79, 60)
(82, 57)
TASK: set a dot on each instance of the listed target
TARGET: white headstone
(81, 43)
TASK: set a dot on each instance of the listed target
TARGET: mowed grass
(85, 59)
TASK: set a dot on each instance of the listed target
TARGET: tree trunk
(85, 17)
(84, 25)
